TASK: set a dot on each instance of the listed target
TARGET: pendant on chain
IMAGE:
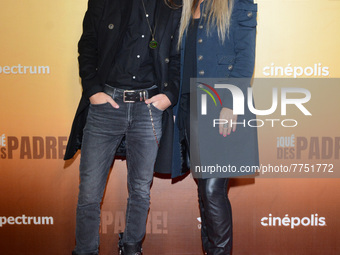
(153, 44)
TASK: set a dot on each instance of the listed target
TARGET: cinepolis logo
(317, 70)
(311, 221)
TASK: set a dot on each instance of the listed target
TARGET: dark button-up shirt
(133, 67)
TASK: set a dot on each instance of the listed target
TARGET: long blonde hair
(218, 13)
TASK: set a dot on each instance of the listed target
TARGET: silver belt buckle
(124, 96)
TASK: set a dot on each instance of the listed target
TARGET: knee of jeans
(89, 199)
(139, 195)
(88, 209)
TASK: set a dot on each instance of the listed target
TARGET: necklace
(153, 43)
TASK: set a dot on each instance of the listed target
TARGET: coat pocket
(225, 59)
(246, 14)
(225, 64)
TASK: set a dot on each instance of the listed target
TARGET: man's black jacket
(104, 26)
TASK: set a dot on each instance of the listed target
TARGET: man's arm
(172, 90)
(88, 49)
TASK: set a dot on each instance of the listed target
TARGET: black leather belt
(131, 96)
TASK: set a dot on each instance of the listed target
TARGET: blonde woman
(217, 39)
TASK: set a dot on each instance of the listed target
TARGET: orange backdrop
(40, 89)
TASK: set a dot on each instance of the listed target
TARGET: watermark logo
(239, 100)
(201, 86)
(280, 98)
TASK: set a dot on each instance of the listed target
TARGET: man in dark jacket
(129, 66)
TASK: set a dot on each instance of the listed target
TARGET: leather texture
(216, 216)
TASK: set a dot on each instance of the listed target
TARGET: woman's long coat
(233, 59)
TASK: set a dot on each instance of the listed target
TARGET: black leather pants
(216, 216)
(213, 199)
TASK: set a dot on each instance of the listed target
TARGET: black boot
(217, 217)
(74, 253)
(120, 244)
(129, 249)
(132, 249)
(204, 232)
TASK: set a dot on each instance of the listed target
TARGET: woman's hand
(227, 114)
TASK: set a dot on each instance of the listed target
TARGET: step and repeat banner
(40, 89)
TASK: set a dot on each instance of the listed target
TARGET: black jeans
(104, 130)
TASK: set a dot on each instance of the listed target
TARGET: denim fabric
(104, 130)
